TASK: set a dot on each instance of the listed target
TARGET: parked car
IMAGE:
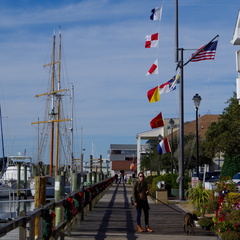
(238, 186)
(210, 176)
(236, 178)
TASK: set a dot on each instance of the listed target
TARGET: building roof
(189, 127)
(152, 134)
(203, 124)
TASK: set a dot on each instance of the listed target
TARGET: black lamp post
(171, 124)
(197, 99)
(160, 138)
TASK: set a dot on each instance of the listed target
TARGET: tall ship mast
(56, 118)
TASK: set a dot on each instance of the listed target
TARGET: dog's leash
(164, 203)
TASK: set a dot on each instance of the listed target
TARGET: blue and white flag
(170, 85)
(156, 14)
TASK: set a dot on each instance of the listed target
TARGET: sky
(105, 60)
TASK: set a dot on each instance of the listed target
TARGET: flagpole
(181, 64)
(176, 31)
(181, 130)
(181, 114)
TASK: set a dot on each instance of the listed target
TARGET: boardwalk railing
(41, 223)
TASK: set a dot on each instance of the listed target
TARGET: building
(123, 158)
(236, 41)
(153, 134)
(203, 124)
(189, 128)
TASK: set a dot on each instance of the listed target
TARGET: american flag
(207, 52)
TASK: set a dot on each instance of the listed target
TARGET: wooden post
(39, 198)
(76, 181)
(18, 179)
(22, 229)
(25, 181)
(59, 194)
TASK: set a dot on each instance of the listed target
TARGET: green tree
(224, 137)
(153, 162)
(150, 160)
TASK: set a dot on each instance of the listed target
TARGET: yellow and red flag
(153, 95)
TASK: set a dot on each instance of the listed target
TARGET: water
(11, 208)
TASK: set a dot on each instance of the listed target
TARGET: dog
(189, 223)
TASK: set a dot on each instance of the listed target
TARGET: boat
(4, 188)
(55, 131)
(10, 177)
(11, 172)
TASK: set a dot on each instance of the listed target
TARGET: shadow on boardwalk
(115, 218)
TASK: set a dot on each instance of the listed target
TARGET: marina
(11, 207)
(28, 227)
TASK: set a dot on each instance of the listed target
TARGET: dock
(113, 217)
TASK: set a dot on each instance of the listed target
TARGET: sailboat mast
(72, 103)
(3, 154)
(58, 103)
(55, 111)
(52, 110)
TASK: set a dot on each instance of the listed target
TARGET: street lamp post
(160, 138)
(197, 99)
(171, 124)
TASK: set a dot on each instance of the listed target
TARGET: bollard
(59, 194)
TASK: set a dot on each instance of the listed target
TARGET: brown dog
(189, 223)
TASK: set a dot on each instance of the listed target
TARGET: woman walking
(139, 193)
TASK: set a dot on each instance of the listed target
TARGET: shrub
(225, 185)
(198, 197)
(212, 204)
(205, 222)
(228, 218)
(231, 235)
(129, 181)
(233, 197)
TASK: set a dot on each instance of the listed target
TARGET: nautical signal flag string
(154, 93)
(157, 121)
(163, 146)
(153, 69)
(151, 41)
(156, 14)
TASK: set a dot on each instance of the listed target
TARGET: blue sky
(103, 43)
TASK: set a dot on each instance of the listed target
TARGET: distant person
(122, 178)
(116, 178)
(139, 194)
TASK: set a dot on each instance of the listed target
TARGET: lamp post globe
(160, 137)
(197, 100)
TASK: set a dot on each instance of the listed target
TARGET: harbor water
(11, 207)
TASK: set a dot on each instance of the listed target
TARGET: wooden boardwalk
(115, 218)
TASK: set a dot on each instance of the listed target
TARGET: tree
(152, 161)
(224, 136)
(149, 160)
(230, 167)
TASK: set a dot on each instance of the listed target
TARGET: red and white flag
(153, 69)
(151, 40)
